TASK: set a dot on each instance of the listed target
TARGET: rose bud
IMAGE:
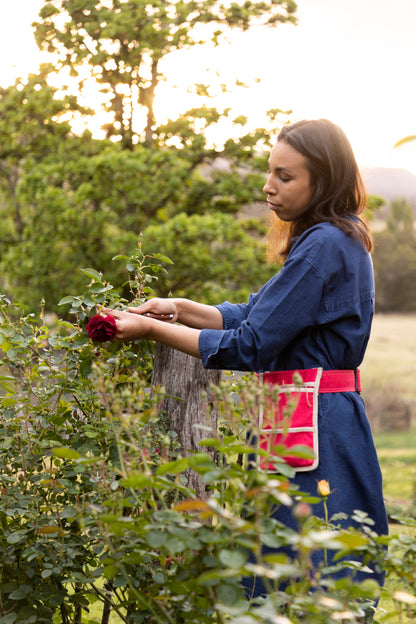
(302, 511)
(101, 328)
(323, 488)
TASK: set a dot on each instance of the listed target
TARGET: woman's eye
(284, 179)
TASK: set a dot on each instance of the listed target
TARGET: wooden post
(185, 378)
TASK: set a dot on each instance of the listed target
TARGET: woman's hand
(184, 311)
(129, 326)
(157, 308)
(149, 325)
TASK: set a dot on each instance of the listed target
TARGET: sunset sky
(351, 61)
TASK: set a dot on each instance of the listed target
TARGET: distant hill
(390, 183)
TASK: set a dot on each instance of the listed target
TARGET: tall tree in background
(32, 126)
(401, 218)
(395, 260)
(34, 129)
(124, 42)
(76, 201)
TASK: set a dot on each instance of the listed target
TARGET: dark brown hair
(339, 189)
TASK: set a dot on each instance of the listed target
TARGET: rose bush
(95, 515)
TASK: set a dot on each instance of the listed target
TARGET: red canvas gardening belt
(295, 421)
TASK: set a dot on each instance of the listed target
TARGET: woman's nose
(267, 188)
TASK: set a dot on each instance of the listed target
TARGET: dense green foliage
(68, 201)
(95, 509)
(217, 258)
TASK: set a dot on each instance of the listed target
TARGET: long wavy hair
(339, 189)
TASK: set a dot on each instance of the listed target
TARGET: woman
(315, 313)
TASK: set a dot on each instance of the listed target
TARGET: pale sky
(351, 61)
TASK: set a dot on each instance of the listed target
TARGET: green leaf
(211, 442)
(228, 594)
(16, 537)
(138, 480)
(163, 258)
(174, 545)
(21, 592)
(301, 451)
(156, 539)
(110, 571)
(351, 541)
(159, 578)
(10, 618)
(99, 287)
(175, 467)
(93, 274)
(65, 300)
(65, 453)
(209, 578)
(8, 401)
(233, 558)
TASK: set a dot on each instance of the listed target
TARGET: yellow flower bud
(323, 488)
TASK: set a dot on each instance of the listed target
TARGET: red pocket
(294, 421)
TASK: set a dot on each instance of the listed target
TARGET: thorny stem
(326, 526)
(106, 597)
(212, 596)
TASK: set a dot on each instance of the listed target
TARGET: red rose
(101, 328)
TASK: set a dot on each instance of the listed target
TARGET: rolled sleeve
(282, 309)
(233, 314)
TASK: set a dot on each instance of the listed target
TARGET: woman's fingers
(160, 309)
(128, 327)
(160, 317)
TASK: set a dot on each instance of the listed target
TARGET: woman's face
(288, 188)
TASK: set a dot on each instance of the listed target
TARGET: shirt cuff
(209, 341)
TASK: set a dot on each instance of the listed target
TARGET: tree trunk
(184, 378)
(149, 100)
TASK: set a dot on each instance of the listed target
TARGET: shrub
(94, 507)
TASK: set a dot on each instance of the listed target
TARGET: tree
(214, 257)
(79, 201)
(32, 126)
(36, 146)
(124, 42)
(401, 217)
(374, 203)
(395, 261)
(80, 208)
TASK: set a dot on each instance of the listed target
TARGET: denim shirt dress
(316, 312)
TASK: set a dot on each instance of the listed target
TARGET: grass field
(391, 360)
(397, 454)
(391, 354)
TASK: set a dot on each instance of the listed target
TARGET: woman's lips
(273, 206)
